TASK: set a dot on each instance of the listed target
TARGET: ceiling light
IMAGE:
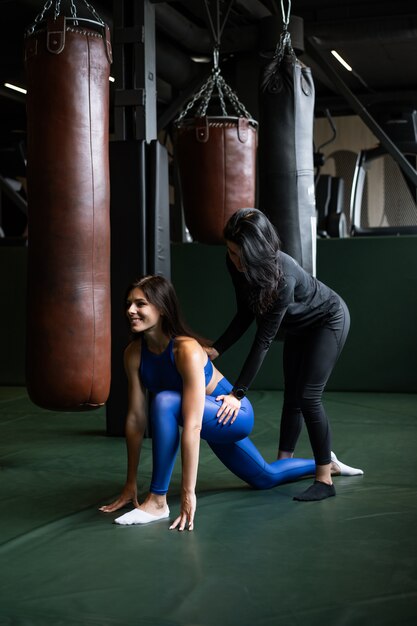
(201, 59)
(111, 79)
(15, 88)
(341, 60)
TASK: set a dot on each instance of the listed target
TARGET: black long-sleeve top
(303, 302)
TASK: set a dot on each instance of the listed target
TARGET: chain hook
(285, 15)
(216, 58)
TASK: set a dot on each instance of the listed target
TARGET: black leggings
(309, 359)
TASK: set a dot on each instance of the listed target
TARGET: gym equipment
(402, 220)
(330, 206)
(216, 154)
(217, 165)
(286, 168)
(68, 285)
(397, 188)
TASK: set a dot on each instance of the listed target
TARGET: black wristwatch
(239, 392)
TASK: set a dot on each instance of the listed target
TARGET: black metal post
(134, 128)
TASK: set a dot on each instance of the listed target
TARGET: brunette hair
(161, 293)
(259, 245)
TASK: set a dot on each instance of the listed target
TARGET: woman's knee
(310, 399)
(165, 403)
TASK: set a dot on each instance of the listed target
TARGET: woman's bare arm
(134, 428)
(190, 360)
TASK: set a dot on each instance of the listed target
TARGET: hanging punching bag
(286, 169)
(68, 290)
(216, 156)
(217, 166)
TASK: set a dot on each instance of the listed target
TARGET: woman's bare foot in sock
(337, 468)
(154, 504)
(341, 469)
(153, 509)
(334, 469)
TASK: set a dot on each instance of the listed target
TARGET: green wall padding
(376, 276)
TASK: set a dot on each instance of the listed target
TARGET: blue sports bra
(158, 372)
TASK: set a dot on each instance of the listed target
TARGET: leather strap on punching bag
(286, 169)
(68, 313)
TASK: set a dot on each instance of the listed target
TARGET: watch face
(239, 394)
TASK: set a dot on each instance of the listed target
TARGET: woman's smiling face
(141, 314)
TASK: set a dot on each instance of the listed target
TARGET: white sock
(346, 470)
(137, 516)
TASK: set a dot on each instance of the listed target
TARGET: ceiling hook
(216, 58)
(285, 15)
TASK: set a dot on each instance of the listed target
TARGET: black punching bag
(286, 170)
(68, 314)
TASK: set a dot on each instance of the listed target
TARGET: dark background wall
(376, 276)
(13, 262)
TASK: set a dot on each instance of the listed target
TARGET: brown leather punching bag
(68, 311)
(217, 167)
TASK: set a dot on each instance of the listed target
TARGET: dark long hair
(259, 245)
(161, 293)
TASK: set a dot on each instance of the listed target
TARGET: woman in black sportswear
(272, 289)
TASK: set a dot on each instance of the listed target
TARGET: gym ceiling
(377, 38)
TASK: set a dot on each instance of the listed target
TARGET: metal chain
(39, 17)
(205, 93)
(74, 12)
(285, 38)
(194, 99)
(271, 79)
(221, 97)
(283, 45)
(94, 12)
(202, 109)
(235, 100)
(57, 9)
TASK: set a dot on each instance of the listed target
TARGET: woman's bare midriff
(217, 376)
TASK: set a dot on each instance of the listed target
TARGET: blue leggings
(229, 442)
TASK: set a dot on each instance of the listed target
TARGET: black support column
(139, 206)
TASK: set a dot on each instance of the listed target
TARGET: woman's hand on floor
(188, 508)
(129, 494)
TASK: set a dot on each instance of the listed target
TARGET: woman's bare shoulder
(132, 352)
(187, 348)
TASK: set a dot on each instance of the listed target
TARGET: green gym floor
(255, 557)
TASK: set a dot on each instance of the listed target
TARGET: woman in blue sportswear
(186, 391)
(272, 289)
